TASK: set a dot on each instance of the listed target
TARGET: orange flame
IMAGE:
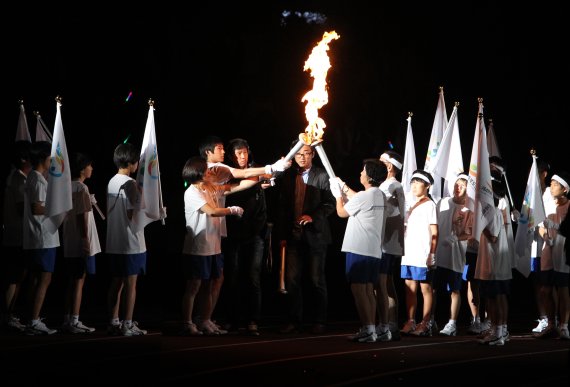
(319, 64)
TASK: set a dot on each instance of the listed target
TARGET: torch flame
(319, 64)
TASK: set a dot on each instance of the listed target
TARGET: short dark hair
(39, 151)
(424, 173)
(239, 143)
(194, 169)
(125, 154)
(376, 171)
(78, 162)
(209, 144)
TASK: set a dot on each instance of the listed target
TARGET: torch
(282, 289)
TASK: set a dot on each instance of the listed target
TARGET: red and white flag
(148, 178)
(532, 214)
(58, 199)
(479, 187)
(23, 133)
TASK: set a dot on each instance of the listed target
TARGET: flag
(532, 213)
(409, 163)
(148, 178)
(492, 145)
(448, 162)
(437, 131)
(42, 132)
(58, 200)
(23, 133)
(479, 187)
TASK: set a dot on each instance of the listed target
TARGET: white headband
(420, 176)
(462, 176)
(561, 181)
(391, 160)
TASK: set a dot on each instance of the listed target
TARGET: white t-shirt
(453, 219)
(203, 231)
(395, 212)
(123, 195)
(72, 239)
(418, 234)
(220, 173)
(36, 233)
(365, 227)
(493, 259)
(13, 200)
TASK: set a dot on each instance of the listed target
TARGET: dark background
(237, 71)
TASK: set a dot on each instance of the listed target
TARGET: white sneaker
(363, 336)
(542, 324)
(132, 330)
(450, 329)
(474, 328)
(14, 323)
(78, 327)
(39, 328)
(384, 336)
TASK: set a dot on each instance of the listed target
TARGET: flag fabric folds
(148, 178)
(58, 199)
(439, 126)
(532, 214)
(42, 132)
(409, 164)
(23, 133)
(448, 162)
(479, 187)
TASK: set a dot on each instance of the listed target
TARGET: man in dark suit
(305, 202)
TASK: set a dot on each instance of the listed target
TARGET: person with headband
(455, 221)
(553, 267)
(393, 243)
(419, 260)
(364, 233)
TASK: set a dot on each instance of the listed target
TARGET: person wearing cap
(393, 243)
(553, 267)
(455, 222)
(419, 260)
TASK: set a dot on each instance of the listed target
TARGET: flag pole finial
(150, 102)
(533, 151)
(456, 103)
(480, 100)
(21, 101)
(441, 88)
(58, 99)
(36, 113)
(490, 120)
(410, 114)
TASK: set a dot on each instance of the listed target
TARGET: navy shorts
(387, 263)
(361, 269)
(124, 265)
(204, 267)
(42, 260)
(494, 288)
(447, 279)
(76, 267)
(553, 278)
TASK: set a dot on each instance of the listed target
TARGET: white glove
(335, 187)
(515, 215)
(235, 210)
(278, 166)
(92, 199)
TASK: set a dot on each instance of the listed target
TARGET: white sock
(115, 321)
(74, 319)
(452, 322)
(371, 328)
(128, 323)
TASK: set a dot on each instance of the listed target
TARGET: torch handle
(282, 289)
(325, 160)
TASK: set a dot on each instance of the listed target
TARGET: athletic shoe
(422, 329)
(542, 324)
(39, 328)
(563, 334)
(506, 336)
(384, 336)
(363, 336)
(115, 329)
(13, 323)
(78, 327)
(408, 327)
(474, 328)
(449, 329)
(132, 330)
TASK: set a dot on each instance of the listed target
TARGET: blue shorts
(42, 260)
(361, 269)
(124, 265)
(494, 288)
(76, 267)
(204, 267)
(447, 279)
(416, 273)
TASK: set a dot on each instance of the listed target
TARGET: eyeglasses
(306, 154)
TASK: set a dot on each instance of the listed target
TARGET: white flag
(58, 200)
(437, 131)
(23, 133)
(42, 132)
(532, 213)
(148, 178)
(479, 187)
(492, 144)
(448, 163)
(409, 164)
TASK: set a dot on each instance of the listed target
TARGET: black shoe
(289, 328)
(318, 329)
